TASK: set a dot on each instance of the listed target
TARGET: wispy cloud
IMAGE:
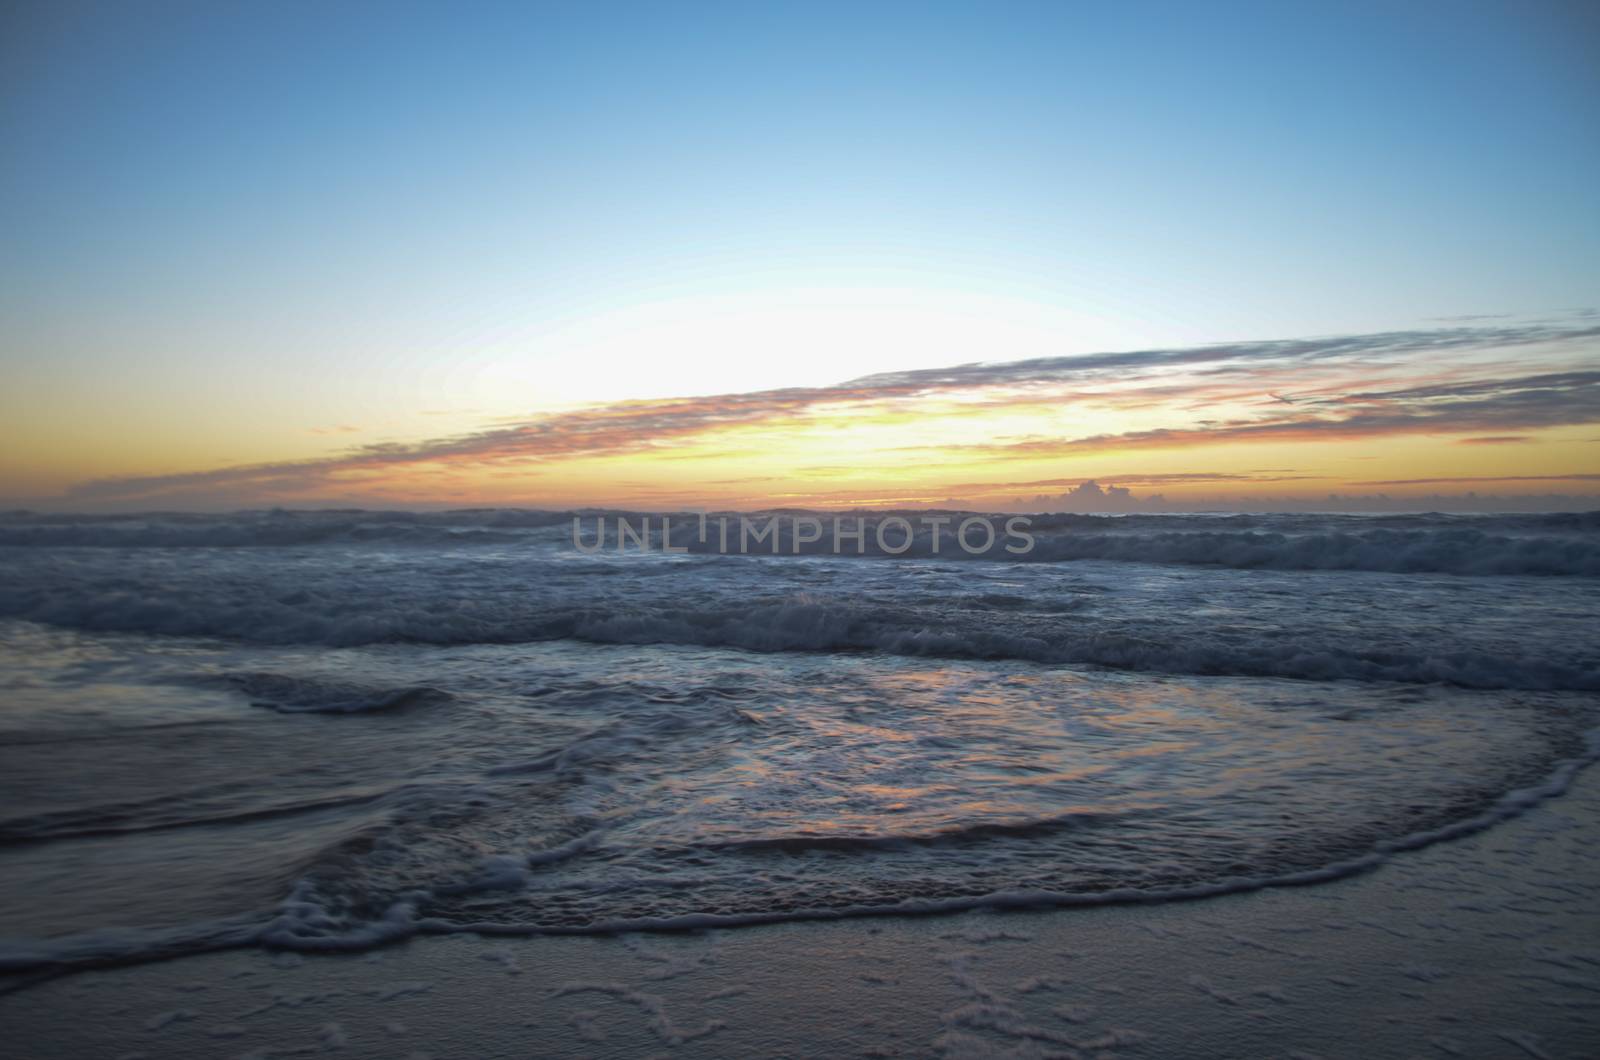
(1425, 391)
(1529, 402)
(1463, 479)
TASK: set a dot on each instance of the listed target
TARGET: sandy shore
(1487, 946)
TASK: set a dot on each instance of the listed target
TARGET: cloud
(1142, 479)
(1430, 405)
(1459, 479)
(1099, 365)
(1528, 402)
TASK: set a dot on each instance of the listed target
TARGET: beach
(1483, 946)
(442, 784)
(799, 530)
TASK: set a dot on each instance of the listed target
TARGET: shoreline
(274, 936)
(1484, 945)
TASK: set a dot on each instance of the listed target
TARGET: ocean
(329, 730)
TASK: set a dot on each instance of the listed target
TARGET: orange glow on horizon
(1195, 426)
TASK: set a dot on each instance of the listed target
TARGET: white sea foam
(300, 927)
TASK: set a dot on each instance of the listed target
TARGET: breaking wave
(315, 919)
(1557, 544)
(1155, 643)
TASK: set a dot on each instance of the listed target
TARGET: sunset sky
(741, 255)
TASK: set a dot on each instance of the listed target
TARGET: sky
(746, 255)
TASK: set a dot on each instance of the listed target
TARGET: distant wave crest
(1555, 544)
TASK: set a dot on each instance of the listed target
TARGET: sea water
(325, 730)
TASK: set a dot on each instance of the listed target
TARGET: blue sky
(316, 213)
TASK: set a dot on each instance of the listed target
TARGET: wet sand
(1486, 946)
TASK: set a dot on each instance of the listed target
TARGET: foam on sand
(1479, 947)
